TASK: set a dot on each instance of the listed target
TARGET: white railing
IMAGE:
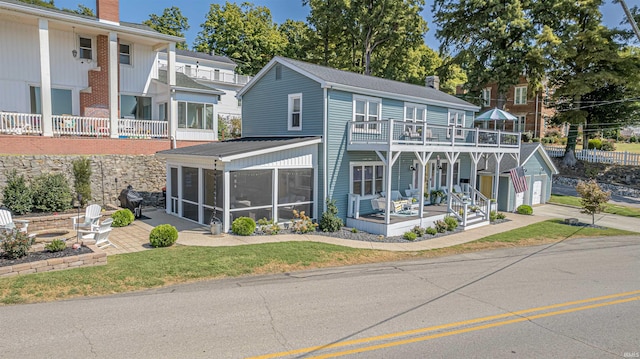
(80, 126)
(420, 133)
(143, 128)
(20, 123)
(211, 75)
(593, 155)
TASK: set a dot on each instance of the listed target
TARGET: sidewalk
(135, 237)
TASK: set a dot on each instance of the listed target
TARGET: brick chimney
(108, 10)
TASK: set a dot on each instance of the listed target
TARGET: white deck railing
(420, 133)
(211, 75)
(64, 125)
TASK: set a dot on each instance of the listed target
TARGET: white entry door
(537, 192)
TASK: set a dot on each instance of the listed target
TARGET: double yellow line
(521, 316)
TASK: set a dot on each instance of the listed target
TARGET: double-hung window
(85, 48)
(125, 54)
(456, 119)
(367, 178)
(486, 97)
(366, 113)
(520, 95)
(295, 112)
(521, 123)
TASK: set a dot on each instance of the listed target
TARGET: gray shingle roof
(353, 79)
(236, 147)
(204, 56)
(185, 81)
(508, 162)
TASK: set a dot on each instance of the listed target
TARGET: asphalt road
(577, 298)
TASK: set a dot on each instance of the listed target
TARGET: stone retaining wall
(97, 258)
(110, 174)
(58, 221)
(615, 189)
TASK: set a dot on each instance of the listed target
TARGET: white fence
(621, 158)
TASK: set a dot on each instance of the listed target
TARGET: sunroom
(249, 177)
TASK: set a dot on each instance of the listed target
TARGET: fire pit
(49, 235)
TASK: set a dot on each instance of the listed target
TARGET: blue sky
(195, 10)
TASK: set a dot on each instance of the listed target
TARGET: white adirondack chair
(100, 234)
(90, 218)
(7, 221)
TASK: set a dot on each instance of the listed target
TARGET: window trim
(291, 99)
(521, 123)
(362, 164)
(82, 50)
(416, 107)
(459, 124)
(486, 97)
(130, 54)
(522, 98)
(366, 127)
(186, 110)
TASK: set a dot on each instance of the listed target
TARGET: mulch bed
(44, 255)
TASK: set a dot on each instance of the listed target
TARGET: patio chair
(89, 219)
(8, 223)
(100, 234)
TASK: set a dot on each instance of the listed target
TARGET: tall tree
(326, 20)
(297, 34)
(492, 41)
(586, 62)
(171, 22)
(245, 33)
(42, 3)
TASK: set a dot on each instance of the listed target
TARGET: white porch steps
(475, 221)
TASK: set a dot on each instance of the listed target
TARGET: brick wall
(98, 96)
(108, 10)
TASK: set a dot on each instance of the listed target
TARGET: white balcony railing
(20, 123)
(80, 126)
(143, 128)
(211, 75)
(395, 132)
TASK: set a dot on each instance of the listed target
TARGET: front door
(486, 186)
(537, 192)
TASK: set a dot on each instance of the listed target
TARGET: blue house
(379, 148)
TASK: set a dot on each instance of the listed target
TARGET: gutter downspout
(535, 130)
(325, 130)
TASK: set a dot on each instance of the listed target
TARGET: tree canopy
(171, 22)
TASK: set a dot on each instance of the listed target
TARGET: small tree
(593, 198)
(82, 174)
(330, 222)
(16, 194)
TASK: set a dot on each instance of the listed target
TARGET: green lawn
(628, 147)
(180, 264)
(609, 207)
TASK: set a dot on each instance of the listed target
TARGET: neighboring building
(73, 75)
(311, 132)
(532, 110)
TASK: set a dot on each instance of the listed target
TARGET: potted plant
(437, 195)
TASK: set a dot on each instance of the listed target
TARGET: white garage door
(519, 199)
(537, 192)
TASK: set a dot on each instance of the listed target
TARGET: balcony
(65, 125)
(211, 75)
(398, 135)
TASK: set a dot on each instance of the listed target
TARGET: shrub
(82, 176)
(51, 193)
(419, 231)
(410, 236)
(302, 223)
(16, 195)
(56, 245)
(524, 209)
(526, 136)
(432, 231)
(354, 230)
(493, 216)
(268, 226)
(164, 235)
(535, 139)
(608, 146)
(501, 215)
(330, 222)
(15, 244)
(441, 226)
(243, 226)
(122, 217)
(594, 143)
(451, 223)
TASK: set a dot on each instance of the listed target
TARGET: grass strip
(181, 264)
(611, 208)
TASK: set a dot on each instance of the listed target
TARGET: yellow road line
(471, 329)
(438, 327)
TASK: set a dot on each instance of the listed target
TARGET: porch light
(74, 52)
(412, 168)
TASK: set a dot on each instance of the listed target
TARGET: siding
(437, 115)
(340, 113)
(135, 78)
(265, 106)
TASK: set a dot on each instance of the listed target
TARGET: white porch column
(113, 84)
(171, 83)
(496, 175)
(45, 78)
(226, 216)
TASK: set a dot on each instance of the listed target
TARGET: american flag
(518, 179)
